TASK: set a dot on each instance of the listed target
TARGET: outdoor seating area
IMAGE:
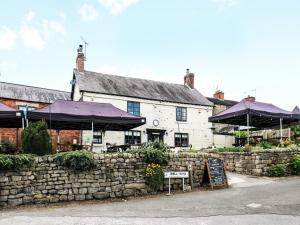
(72, 147)
(117, 148)
(72, 115)
(257, 116)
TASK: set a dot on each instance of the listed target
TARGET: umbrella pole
(92, 135)
(17, 139)
(280, 130)
(58, 141)
(23, 125)
(248, 135)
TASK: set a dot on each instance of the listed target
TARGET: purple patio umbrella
(256, 114)
(74, 115)
(10, 117)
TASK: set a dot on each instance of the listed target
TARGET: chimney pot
(189, 79)
(250, 98)
(219, 95)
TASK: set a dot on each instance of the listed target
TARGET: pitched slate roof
(138, 88)
(296, 110)
(222, 102)
(29, 93)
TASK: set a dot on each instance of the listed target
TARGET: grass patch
(230, 149)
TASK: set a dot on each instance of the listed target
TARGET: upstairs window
(97, 137)
(133, 108)
(181, 114)
(181, 140)
(133, 137)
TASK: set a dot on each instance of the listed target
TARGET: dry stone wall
(116, 175)
(256, 163)
(119, 176)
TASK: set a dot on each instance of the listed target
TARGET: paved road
(248, 201)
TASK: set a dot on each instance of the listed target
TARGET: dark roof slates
(29, 93)
(222, 102)
(138, 88)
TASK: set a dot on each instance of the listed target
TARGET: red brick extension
(11, 133)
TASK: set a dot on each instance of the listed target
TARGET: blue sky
(236, 45)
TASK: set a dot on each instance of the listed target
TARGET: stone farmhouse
(176, 114)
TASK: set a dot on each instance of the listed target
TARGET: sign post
(172, 175)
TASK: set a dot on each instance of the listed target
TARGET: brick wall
(14, 135)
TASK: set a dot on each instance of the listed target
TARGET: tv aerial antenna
(250, 91)
(85, 45)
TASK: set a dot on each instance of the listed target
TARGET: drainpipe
(248, 138)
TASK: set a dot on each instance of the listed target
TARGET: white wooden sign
(181, 174)
(172, 174)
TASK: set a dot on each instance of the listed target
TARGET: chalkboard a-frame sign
(215, 173)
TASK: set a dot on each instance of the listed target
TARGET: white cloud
(7, 38)
(117, 6)
(225, 3)
(30, 16)
(62, 15)
(32, 37)
(53, 26)
(35, 32)
(87, 12)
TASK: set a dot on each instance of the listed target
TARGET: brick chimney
(189, 79)
(250, 98)
(219, 95)
(80, 59)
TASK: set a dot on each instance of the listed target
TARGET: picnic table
(71, 147)
(117, 148)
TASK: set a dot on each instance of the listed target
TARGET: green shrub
(157, 145)
(265, 145)
(6, 147)
(188, 150)
(241, 134)
(153, 155)
(295, 163)
(278, 170)
(77, 160)
(15, 162)
(154, 176)
(230, 149)
(296, 130)
(35, 139)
